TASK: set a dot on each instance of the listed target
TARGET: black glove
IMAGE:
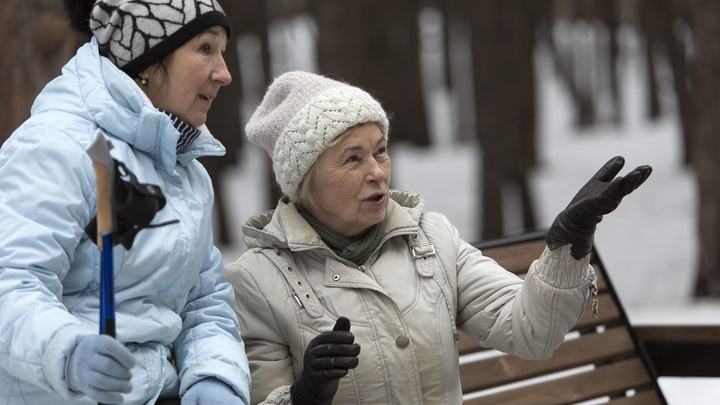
(600, 196)
(327, 359)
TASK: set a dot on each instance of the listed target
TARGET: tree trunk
(658, 21)
(503, 39)
(36, 41)
(374, 44)
(706, 145)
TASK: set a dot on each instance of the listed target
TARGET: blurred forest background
(483, 53)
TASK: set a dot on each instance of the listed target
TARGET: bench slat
(516, 258)
(695, 333)
(591, 348)
(641, 398)
(612, 379)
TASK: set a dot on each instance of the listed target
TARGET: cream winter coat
(404, 304)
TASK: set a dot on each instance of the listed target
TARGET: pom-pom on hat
(300, 115)
(134, 34)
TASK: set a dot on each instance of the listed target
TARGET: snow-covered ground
(648, 245)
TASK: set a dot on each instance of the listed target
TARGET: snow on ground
(648, 244)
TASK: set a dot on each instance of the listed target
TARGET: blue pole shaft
(107, 295)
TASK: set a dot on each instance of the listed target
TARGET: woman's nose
(375, 172)
(221, 74)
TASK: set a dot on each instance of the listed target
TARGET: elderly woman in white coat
(341, 249)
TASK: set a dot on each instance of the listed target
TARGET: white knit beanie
(300, 115)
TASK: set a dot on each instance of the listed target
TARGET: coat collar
(284, 227)
(122, 110)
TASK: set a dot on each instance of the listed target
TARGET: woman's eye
(205, 48)
(352, 159)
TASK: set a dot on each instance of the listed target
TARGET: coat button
(402, 341)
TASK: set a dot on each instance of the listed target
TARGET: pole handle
(104, 202)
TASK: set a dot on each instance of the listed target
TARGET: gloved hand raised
(601, 195)
(211, 391)
(328, 357)
(99, 367)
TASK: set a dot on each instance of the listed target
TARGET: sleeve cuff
(56, 355)
(279, 396)
(224, 372)
(67, 363)
(560, 270)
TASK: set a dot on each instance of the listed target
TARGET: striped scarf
(187, 133)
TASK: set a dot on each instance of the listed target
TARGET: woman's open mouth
(377, 199)
(207, 98)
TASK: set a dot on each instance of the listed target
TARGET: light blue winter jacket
(172, 300)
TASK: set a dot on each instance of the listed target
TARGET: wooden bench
(601, 358)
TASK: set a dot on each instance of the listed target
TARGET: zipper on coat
(594, 291)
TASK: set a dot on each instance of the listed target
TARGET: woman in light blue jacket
(145, 82)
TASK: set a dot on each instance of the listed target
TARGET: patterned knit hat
(134, 34)
(300, 115)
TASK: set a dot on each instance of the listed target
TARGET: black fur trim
(78, 12)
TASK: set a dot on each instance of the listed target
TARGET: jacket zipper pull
(594, 289)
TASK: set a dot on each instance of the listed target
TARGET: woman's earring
(143, 81)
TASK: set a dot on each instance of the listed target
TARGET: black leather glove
(600, 196)
(327, 359)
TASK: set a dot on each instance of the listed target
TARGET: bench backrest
(599, 359)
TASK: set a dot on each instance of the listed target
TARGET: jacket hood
(93, 88)
(285, 228)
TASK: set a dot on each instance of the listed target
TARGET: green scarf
(357, 251)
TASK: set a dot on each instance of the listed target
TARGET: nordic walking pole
(105, 177)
